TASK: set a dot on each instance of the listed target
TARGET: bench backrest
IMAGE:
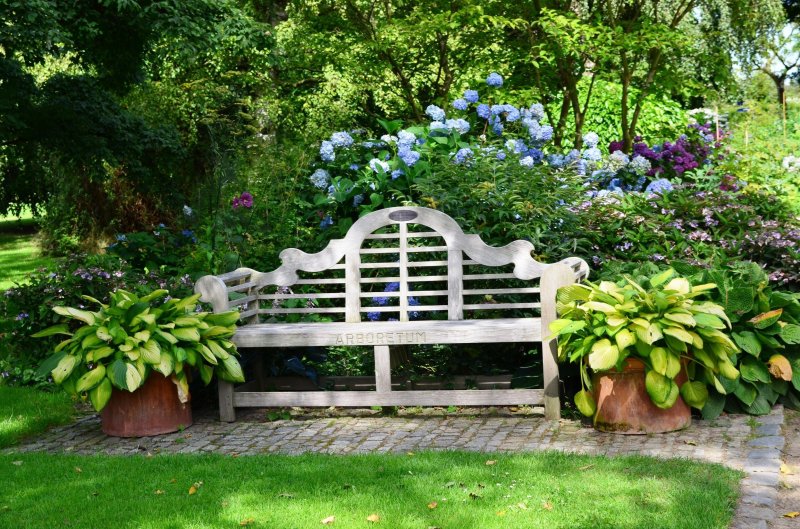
(399, 263)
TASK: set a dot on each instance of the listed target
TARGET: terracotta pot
(152, 409)
(623, 405)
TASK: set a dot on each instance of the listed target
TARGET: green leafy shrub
(655, 319)
(26, 308)
(131, 336)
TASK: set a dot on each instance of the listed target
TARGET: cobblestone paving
(753, 445)
(788, 500)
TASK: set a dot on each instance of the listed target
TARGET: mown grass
(19, 251)
(25, 412)
(449, 490)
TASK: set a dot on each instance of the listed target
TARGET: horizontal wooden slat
(320, 295)
(482, 291)
(367, 266)
(233, 276)
(306, 310)
(411, 279)
(242, 287)
(462, 397)
(501, 306)
(321, 281)
(410, 249)
(417, 234)
(415, 293)
(488, 277)
(248, 313)
(242, 301)
(411, 308)
(389, 333)
(367, 383)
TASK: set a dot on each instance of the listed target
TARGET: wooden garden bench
(451, 288)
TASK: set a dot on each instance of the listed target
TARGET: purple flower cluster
(245, 200)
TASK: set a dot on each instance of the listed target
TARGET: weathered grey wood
(554, 277)
(463, 397)
(455, 284)
(343, 256)
(389, 332)
(367, 383)
(383, 374)
(226, 401)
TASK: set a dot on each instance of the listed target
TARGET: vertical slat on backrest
(352, 285)
(403, 271)
(455, 284)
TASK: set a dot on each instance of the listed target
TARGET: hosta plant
(658, 320)
(130, 337)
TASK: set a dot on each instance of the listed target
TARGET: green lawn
(19, 251)
(26, 411)
(446, 490)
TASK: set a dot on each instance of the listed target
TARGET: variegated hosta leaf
(186, 334)
(663, 391)
(91, 379)
(100, 394)
(226, 319)
(680, 285)
(624, 339)
(166, 365)
(64, 368)
(206, 354)
(780, 368)
(585, 403)
(681, 317)
(61, 328)
(183, 386)
(222, 354)
(679, 333)
(150, 352)
(604, 355)
(695, 394)
(87, 317)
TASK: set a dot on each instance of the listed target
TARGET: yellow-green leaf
(679, 333)
(585, 403)
(64, 368)
(82, 315)
(100, 394)
(695, 394)
(682, 318)
(680, 285)
(61, 328)
(624, 339)
(90, 379)
(603, 356)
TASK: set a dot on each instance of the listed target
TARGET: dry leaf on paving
(328, 521)
(491, 462)
(374, 518)
(432, 505)
(786, 469)
(247, 521)
(793, 514)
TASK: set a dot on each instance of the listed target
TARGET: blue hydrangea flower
(498, 109)
(463, 155)
(537, 111)
(397, 173)
(341, 139)
(358, 200)
(354, 167)
(536, 154)
(405, 139)
(498, 128)
(591, 139)
(526, 162)
(494, 80)
(460, 104)
(592, 154)
(639, 165)
(437, 125)
(501, 156)
(512, 113)
(616, 161)
(373, 316)
(320, 178)
(326, 222)
(378, 166)
(409, 157)
(326, 152)
(461, 125)
(484, 111)
(556, 160)
(660, 186)
(471, 96)
(545, 133)
(436, 113)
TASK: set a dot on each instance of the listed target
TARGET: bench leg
(226, 411)
(554, 276)
(383, 371)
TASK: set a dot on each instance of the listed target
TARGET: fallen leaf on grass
(247, 521)
(491, 462)
(450, 484)
(285, 495)
(17, 463)
(173, 480)
(328, 521)
(501, 513)
(374, 518)
(793, 514)
(522, 506)
(786, 469)
(432, 505)
(586, 467)
(410, 453)
(158, 492)
(78, 470)
(547, 506)
(194, 488)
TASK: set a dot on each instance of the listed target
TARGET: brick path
(753, 445)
